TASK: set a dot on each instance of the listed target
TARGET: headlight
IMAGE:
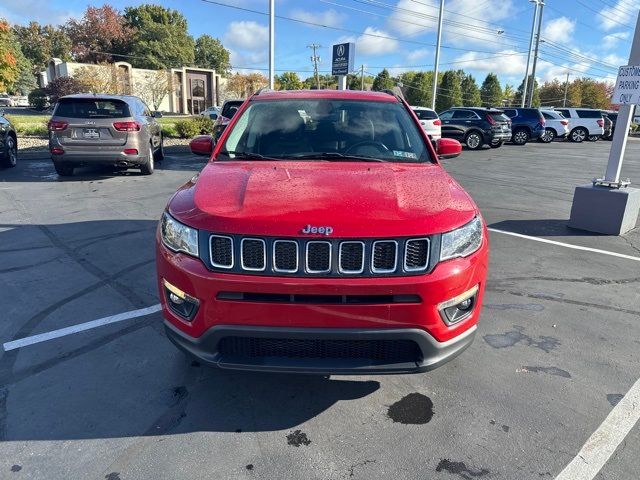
(179, 237)
(463, 241)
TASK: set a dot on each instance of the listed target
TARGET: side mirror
(448, 148)
(201, 145)
(156, 114)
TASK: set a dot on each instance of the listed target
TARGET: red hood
(355, 199)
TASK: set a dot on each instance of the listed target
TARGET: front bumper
(432, 353)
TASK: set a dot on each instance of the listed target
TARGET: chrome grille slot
(318, 257)
(351, 257)
(221, 251)
(253, 254)
(416, 255)
(385, 256)
(285, 256)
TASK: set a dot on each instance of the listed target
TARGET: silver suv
(94, 129)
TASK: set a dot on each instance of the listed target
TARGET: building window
(197, 88)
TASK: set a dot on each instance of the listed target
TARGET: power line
(619, 8)
(603, 15)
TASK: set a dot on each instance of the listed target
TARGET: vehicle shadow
(543, 228)
(126, 379)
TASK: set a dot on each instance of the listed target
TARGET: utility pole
(272, 17)
(526, 73)
(435, 70)
(315, 59)
(362, 77)
(566, 90)
(535, 56)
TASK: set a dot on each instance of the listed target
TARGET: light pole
(526, 73)
(435, 70)
(535, 56)
(272, 17)
(566, 90)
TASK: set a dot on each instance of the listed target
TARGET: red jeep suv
(323, 236)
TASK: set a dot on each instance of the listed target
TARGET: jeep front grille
(319, 257)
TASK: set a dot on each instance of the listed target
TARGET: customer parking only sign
(627, 91)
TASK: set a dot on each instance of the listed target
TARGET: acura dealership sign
(343, 58)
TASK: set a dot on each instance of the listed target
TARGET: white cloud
(611, 40)
(373, 42)
(618, 15)
(616, 60)
(559, 30)
(247, 36)
(42, 11)
(419, 54)
(329, 18)
(510, 63)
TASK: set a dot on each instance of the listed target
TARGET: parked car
(229, 109)
(526, 124)
(556, 126)
(211, 112)
(340, 245)
(94, 129)
(21, 101)
(476, 126)
(430, 122)
(8, 143)
(5, 100)
(585, 123)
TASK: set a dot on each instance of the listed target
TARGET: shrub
(194, 126)
(169, 130)
(38, 98)
(32, 130)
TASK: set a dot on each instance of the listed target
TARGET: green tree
(574, 93)
(517, 98)
(39, 43)
(161, 40)
(210, 53)
(416, 88)
(26, 80)
(327, 82)
(491, 91)
(449, 91)
(101, 29)
(595, 94)
(10, 56)
(383, 81)
(354, 82)
(552, 93)
(288, 81)
(470, 92)
(508, 94)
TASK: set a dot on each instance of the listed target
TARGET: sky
(582, 37)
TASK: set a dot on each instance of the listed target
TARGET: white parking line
(62, 332)
(566, 245)
(604, 441)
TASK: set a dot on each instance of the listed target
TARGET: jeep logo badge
(310, 230)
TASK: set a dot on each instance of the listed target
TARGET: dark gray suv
(95, 129)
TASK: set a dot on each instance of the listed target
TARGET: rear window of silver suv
(91, 108)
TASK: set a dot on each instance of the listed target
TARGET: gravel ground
(40, 144)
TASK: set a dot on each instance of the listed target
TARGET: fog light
(458, 308)
(180, 303)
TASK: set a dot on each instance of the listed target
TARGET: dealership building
(189, 89)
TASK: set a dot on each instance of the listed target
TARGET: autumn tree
(39, 43)
(99, 78)
(161, 40)
(101, 35)
(242, 85)
(210, 53)
(470, 92)
(552, 93)
(449, 92)
(491, 91)
(153, 88)
(9, 56)
(595, 94)
(62, 86)
(288, 81)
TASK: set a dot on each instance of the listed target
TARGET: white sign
(627, 89)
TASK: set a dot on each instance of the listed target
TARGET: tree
(288, 81)
(153, 88)
(491, 91)
(354, 82)
(449, 91)
(161, 40)
(551, 93)
(210, 53)
(101, 29)
(25, 81)
(242, 85)
(39, 43)
(99, 78)
(470, 92)
(508, 94)
(383, 81)
(10, 56)
(595, 94)
(535, 102)
(62, 86)
(416, 87)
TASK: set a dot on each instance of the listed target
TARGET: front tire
(474, 140)
(148, 167)
(11, 158)
(520, 137)
(548, 136)
(578, 135)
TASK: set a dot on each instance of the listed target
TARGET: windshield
(326, 129)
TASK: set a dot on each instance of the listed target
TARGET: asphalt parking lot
(558, 345)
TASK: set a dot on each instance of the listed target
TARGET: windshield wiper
(333, 157)
(246, 155)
